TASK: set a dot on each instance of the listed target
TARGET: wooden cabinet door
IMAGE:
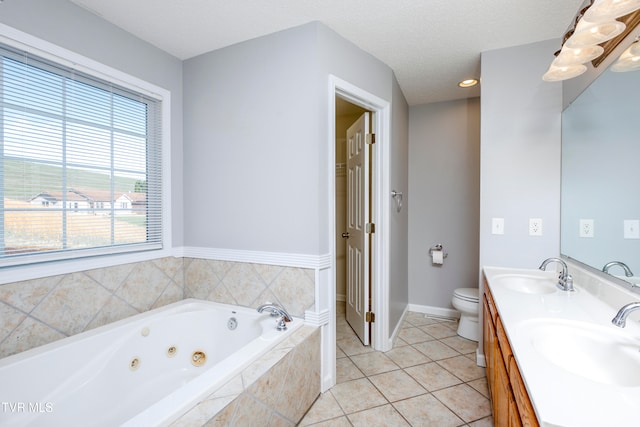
(488, 339)
(525, 408)
(502, 391)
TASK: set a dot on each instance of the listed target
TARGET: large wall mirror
(600, 209)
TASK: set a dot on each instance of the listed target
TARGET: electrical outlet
(631, 229)
(497, 225)
(535, 226)
(586, 228)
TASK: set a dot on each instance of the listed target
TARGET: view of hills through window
(40, 215)
(76, 154)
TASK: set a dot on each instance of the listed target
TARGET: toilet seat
(467, 294)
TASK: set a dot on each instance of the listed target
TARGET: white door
(358, 242)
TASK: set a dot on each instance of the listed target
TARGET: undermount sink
(601, 354)
(527, 283)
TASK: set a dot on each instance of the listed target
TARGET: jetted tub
(146, 370)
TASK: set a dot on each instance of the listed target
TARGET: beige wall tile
(143, 286)
(27, 294)
(302, 384)
(72, 304)
(244, 283)
(29, 334)
(111, 277)
(115, 309)
(11, 318)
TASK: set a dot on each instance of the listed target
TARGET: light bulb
(468, 83)
(568, 56)
(634, 49)
(590, 33)
(556, 73)
(605, 10)
(629, 60)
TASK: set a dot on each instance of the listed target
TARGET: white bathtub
(137, 371)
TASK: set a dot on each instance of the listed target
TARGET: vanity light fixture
(468, 83)
(601, 10)
(557, 73)
(629, 60)
(591, 33)
(572, 56)
(594, 24)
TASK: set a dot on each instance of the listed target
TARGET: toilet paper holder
(437, 247)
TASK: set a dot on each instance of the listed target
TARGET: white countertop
(560, 397)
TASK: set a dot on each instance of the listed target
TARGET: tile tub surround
(40, 311)
(275, 390)
(249, 284)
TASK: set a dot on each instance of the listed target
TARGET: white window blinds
(80, 164)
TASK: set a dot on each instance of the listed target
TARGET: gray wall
(399, 223)
(252, 146)
(256, 135)
(71, 27)
(444, 172)
(520, 155)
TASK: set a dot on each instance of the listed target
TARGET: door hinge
(370, 228)
(371, 138)
(370, 317)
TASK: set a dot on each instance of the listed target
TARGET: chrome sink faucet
(565, 281)
(625, 267)
(276, 311)
(621, 318)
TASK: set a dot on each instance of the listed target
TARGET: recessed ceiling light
(468, 83)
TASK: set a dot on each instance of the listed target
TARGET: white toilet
(465, 300)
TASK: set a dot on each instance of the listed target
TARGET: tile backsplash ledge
(40, 311)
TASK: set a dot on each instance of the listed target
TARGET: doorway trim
(381, 110)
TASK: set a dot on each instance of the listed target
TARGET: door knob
(345, 235)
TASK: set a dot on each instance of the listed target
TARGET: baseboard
(398, 327)
(446, 313)
(480, 360)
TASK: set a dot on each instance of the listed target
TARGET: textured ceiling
(429, 44)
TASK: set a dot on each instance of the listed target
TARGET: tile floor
(429, 378)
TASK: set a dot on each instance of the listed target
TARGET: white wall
(71, 27)
(444, 172)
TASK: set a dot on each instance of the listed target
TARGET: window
(80, 164)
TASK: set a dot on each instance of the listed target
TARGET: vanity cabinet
(510, 402)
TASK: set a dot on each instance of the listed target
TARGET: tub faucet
(621, 318)
(565, 281)
(625, 267)
(280, 312)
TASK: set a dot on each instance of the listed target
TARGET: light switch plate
(497, 225)
(632, 229)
